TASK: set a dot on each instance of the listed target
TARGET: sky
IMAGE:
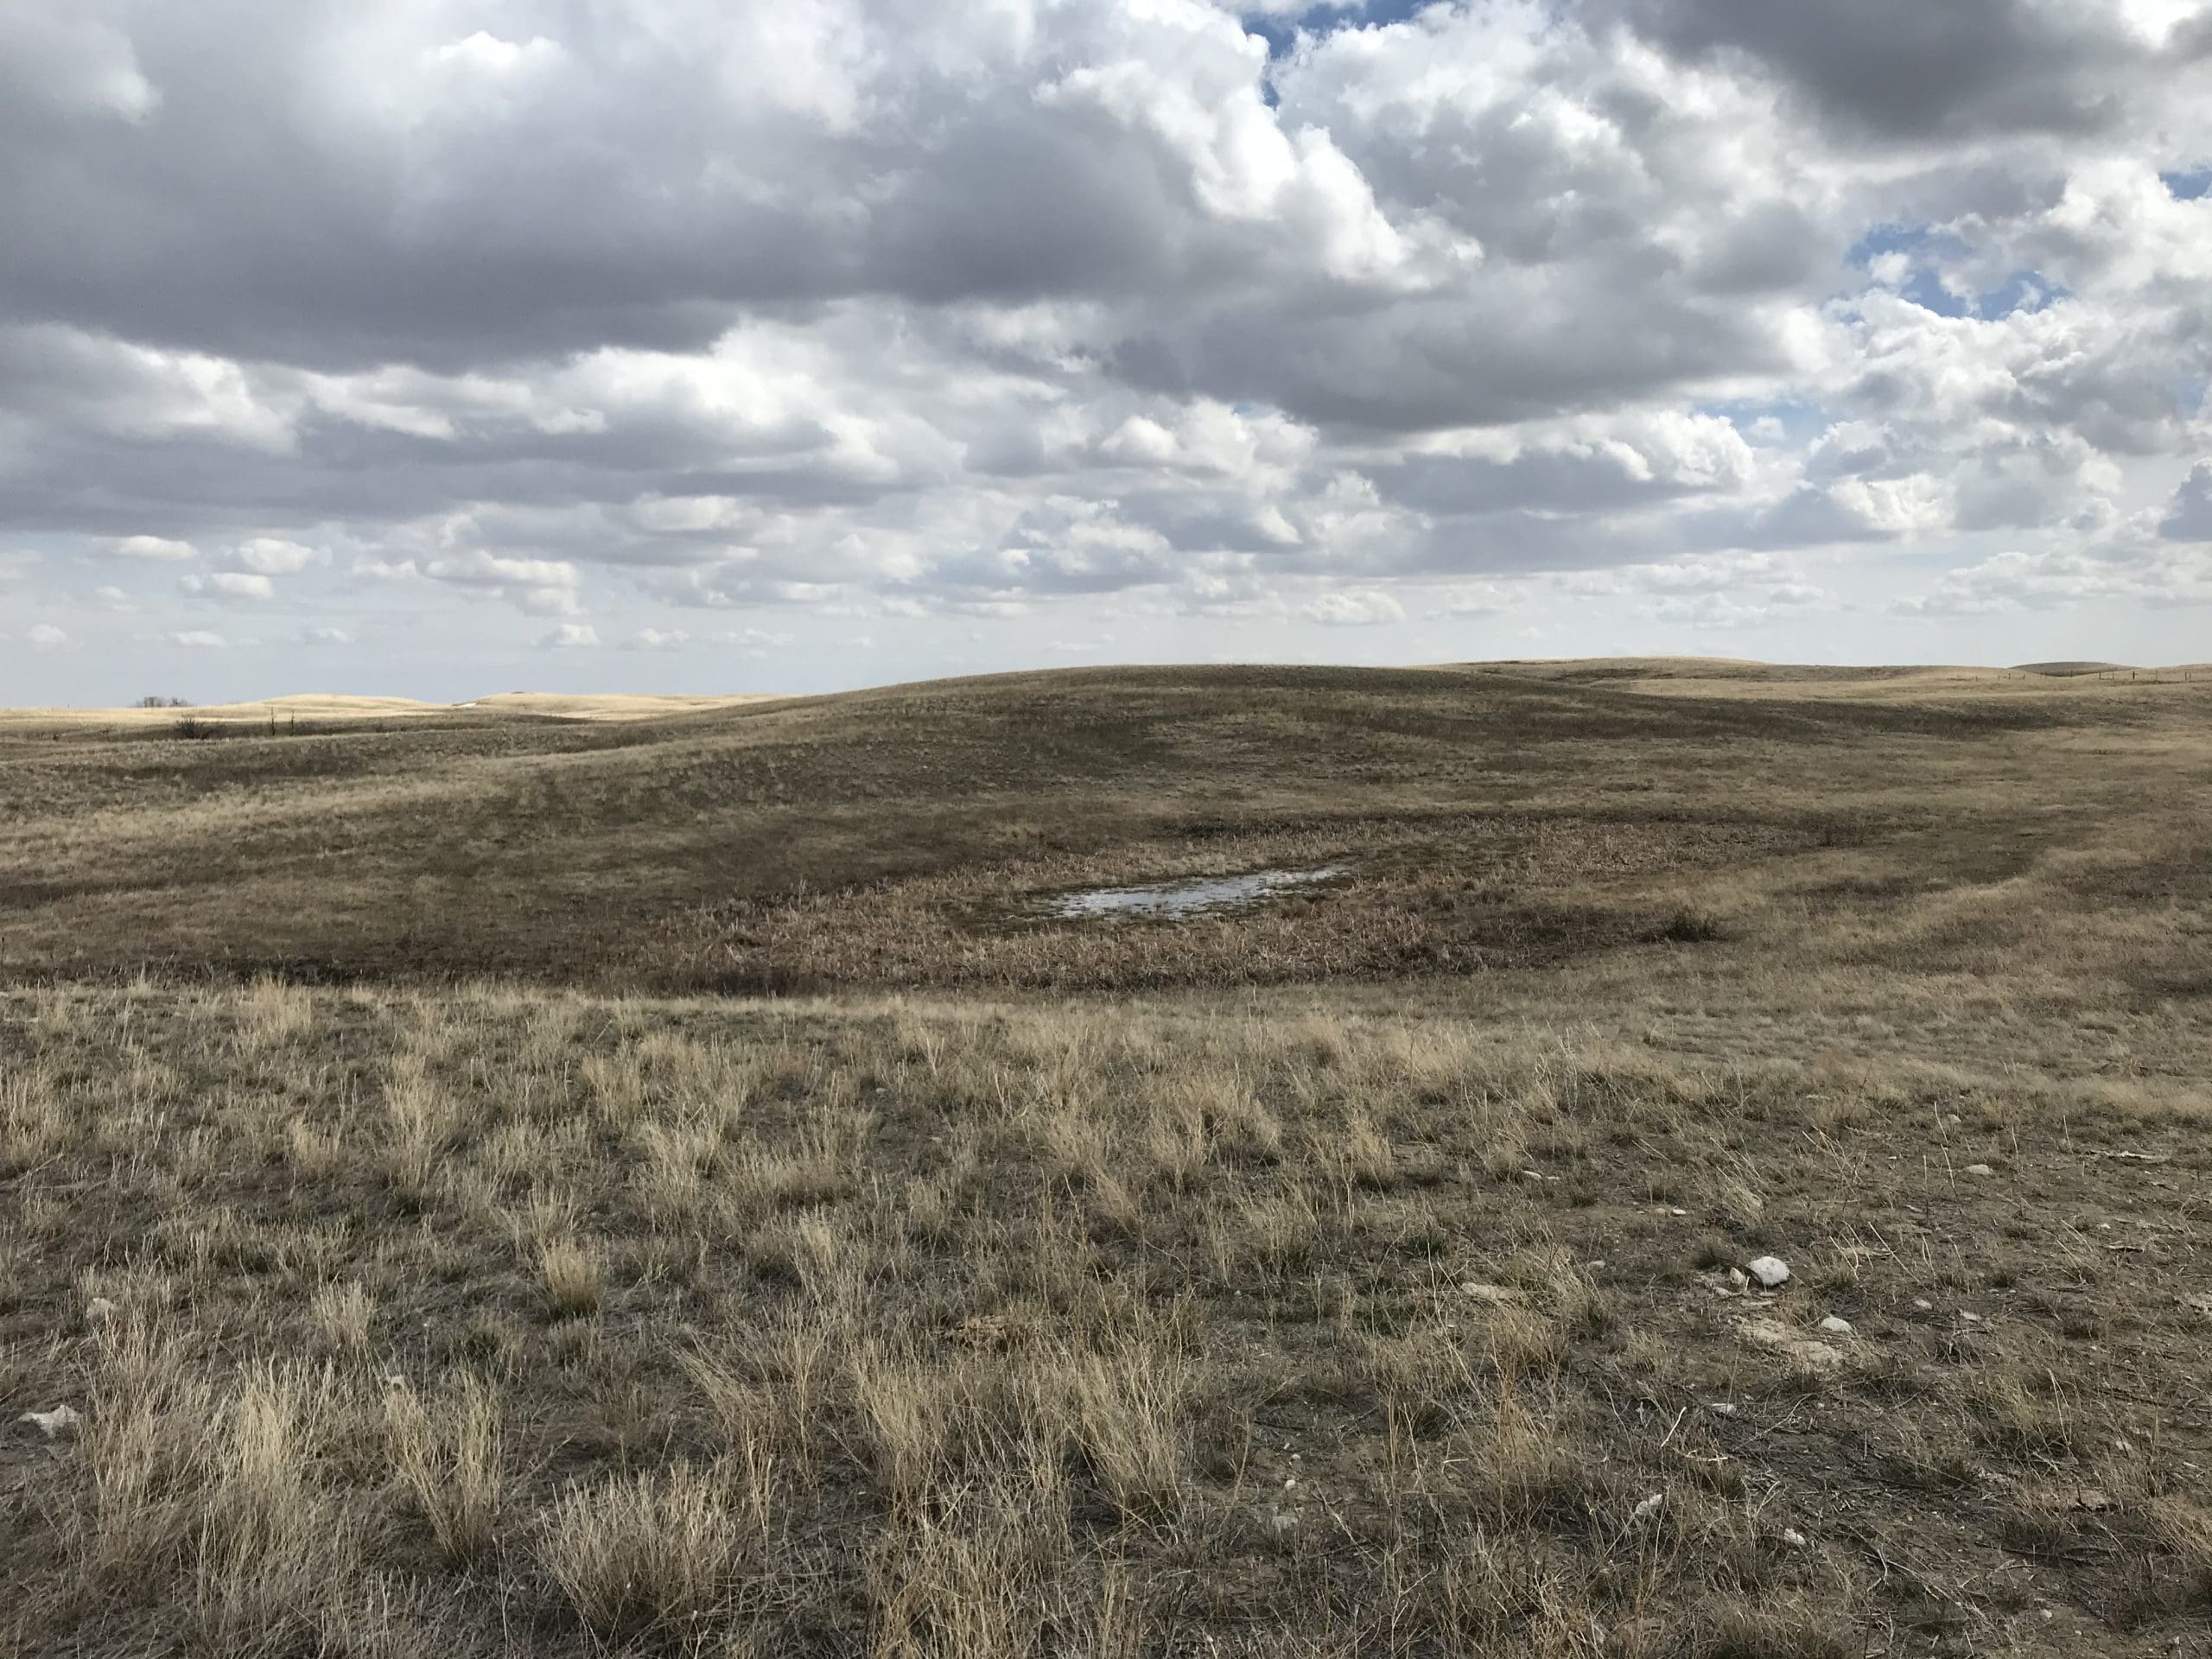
(436, 347)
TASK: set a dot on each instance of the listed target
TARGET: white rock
(63, 1420)
(1924, 1305)
(1723, 1408)
(1497, 1295)
(1971, 1318)
(1836, 1327)
(1980, 1169)
(1646, 1509)
(1769, 1271)
(1794, 1538)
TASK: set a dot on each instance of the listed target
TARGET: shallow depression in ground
(1185, 897)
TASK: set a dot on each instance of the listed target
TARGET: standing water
(1184, 898)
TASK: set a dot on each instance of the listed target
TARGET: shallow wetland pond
(1188, 896)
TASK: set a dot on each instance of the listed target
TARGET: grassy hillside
(487, 1182)
(1488, 819)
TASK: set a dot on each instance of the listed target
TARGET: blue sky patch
(2021, 291)
(1800, 422)
(1280, 29)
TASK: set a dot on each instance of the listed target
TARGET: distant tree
(163, 703)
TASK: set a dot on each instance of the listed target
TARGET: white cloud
(1097, 310)
(229, 584)
(656, 640)
(1354, 608)
(570, 636)
(485, 53)
(199, 639)
(541, 587)
(754, 641)
(2058, 579)
(325, 636)
(161, 548)
(272, 556)
(44, 636)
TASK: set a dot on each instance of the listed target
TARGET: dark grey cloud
(1906, 70)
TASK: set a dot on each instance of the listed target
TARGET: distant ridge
(2061, 670)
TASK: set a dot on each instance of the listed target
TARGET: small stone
(1777, 1338)
(1721, 1408)
(63, 1420)
(1794, 1538)
(1971, 1318)
(98, 1310)
(1770, 1271)
(1836, 1327)
(1736, 1278)
(1924, 1305)
(1643, 1511)
(1678, 1212)
(1980, 1169)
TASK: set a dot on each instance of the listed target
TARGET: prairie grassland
(477, 1321)
(1492, 821)
(498, 1184)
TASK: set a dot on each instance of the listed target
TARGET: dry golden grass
(984, 1330)
(2034, 832)
(445, 1255)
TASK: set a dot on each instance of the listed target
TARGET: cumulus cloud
(953, 317)
(198, 639)
(570, 636)
(229, 584)
(2189, 515)
(542, 586)
(272, 556)
(2057, 579)
(44, 636)
(1356, 608)
(161, 548)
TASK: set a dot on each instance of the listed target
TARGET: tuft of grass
(449, 1453)
(343, 1314)
(650, 1551)
(571, 1276)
